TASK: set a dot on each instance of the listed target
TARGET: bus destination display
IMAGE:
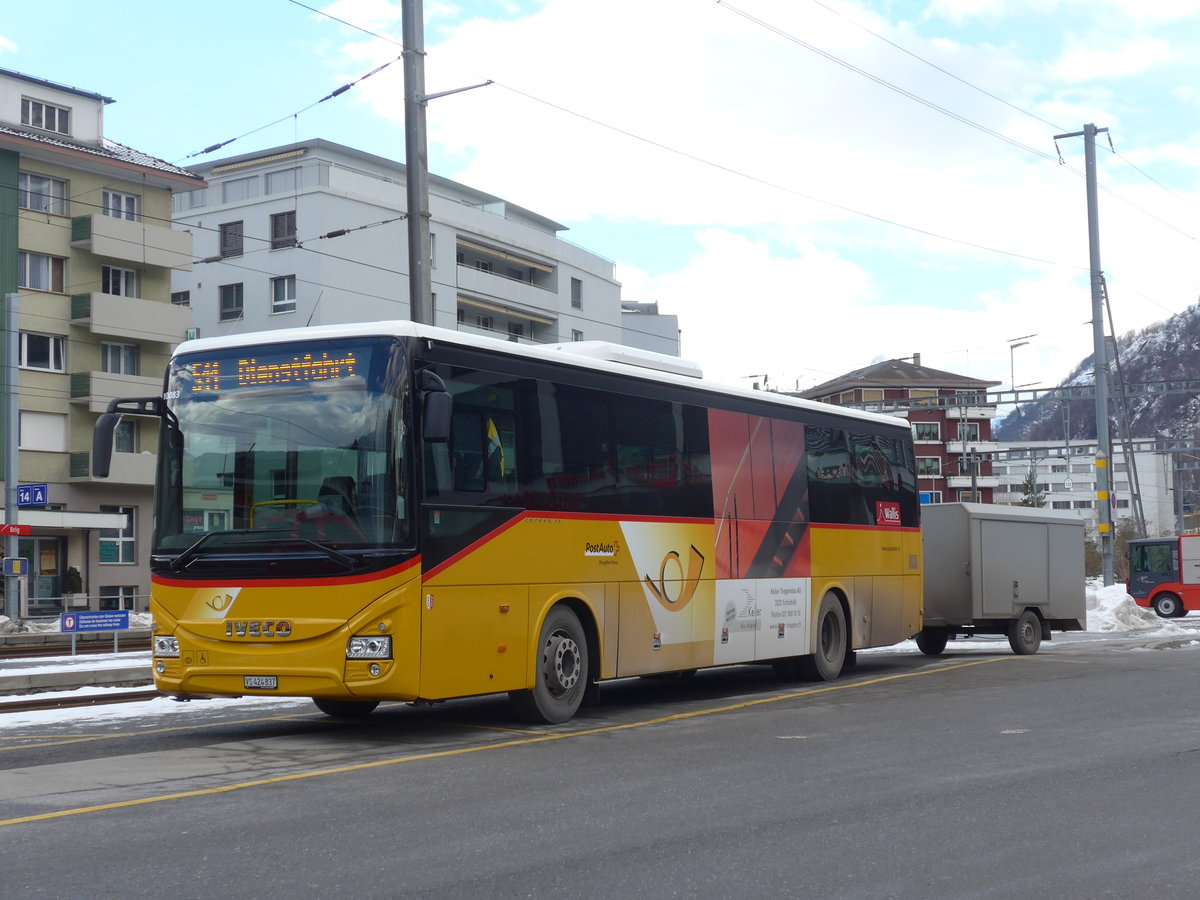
(262, 371)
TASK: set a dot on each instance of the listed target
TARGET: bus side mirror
(102, 443)
(435, 425)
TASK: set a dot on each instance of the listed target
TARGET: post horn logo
(219, 603)
(687, 586)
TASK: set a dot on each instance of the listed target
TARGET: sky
(811, 186)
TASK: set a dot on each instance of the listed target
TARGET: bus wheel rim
(562, 662)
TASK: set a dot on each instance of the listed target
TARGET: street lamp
(1012, 380)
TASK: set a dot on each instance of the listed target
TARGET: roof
(21, 76)
(106, 150)
(896, 373)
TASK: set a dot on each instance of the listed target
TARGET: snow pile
(1112, 609)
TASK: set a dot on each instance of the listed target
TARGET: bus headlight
(166, 645)
(369, 647)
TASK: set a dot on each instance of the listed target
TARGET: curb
(32, 683)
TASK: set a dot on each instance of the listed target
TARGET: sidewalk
(64, 673)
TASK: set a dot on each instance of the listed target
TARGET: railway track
(61, 646)
(32, 703)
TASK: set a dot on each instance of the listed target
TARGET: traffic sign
(33, 494)
(104, 620)
(15, 566)
(16, 530)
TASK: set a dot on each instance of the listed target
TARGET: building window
(484, 322)
(118, 596)
(927, 431)
(968, 431)
(576, 334)
(283, 230)
(278, 182)
(931, 496)
(42, 194)
(231, 239)
(181, 298)
(969, 497)
(125, 437)
(43, 351)
(118, 281)
(42, 431)
(120, 205)
(119, 359)
(1081, 504)
(576, 293)
(483, 265)
(39, 272)
(117, 545)
(1060, 504)
(283, 294)
(231, 301)
(929, 466)
(433, 251)
(515, 330)
(239, 189)
(36, 114)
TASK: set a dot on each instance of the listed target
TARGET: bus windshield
(285, 446)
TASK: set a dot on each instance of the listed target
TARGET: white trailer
(1012, 570)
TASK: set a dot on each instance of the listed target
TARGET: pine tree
(1032, 495)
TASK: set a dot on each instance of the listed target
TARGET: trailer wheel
(1025, 634)
(932, 641)
(1169, 606)
(345, 709)
(832, 643)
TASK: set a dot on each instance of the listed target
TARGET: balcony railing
(97, 388)
(126, 468)
(129, 317)
(137, 241)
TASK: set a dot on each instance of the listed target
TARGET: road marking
(500, 745)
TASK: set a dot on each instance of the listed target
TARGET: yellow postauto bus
(391, 511)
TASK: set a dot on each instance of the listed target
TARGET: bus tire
(1169, 606)
(561, 671)
(346, 709)
(1025, 634)
(932, 641)
(832, 642)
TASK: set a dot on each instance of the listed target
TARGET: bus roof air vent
(631, 356)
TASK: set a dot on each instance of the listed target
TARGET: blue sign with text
(32, 494)
(104, 620)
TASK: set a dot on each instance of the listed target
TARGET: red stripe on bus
(288, 582)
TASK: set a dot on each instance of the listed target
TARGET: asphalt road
(976, 774)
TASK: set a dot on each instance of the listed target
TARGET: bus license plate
(261, 682)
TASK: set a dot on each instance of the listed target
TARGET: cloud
(1082, 63)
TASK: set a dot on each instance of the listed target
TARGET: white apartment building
(314, 233)
(1066, 474)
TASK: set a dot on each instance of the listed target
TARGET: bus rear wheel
(932, 641)
(561, 672)
(832, 643)
(1169, 606)
(346, 709)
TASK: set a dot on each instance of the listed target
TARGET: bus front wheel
(1169, 606)
(561, 672)
(345, 709)
(832, 642)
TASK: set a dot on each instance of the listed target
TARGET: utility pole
(12, 585)
(1100, 354)
(416, 161)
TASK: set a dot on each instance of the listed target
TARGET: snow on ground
(1110, 610)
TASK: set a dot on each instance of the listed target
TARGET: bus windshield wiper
(197, 549)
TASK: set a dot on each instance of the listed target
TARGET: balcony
(128, 317)
(126, 468)
(95, 389)
(956, 447)
(964, 481)
(137, 242)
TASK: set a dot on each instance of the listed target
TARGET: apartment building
(1064, 474)
(315, 233)
(950, 417)
(87, 247)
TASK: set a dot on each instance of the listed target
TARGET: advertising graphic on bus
(392, 511)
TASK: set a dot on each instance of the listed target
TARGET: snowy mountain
(1165, 351)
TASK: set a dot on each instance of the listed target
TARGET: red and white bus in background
(1164, 574)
